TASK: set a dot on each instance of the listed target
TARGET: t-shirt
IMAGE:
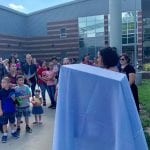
(127, 70)
(12, 78)
(22, 91)
(51, 75)
(8, 104)
(40, 73)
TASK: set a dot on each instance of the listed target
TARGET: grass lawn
(144, 96)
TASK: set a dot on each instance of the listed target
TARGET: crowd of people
(19, 81)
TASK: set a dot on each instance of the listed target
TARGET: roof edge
(12, 10)
(42, 10)
(56, 7)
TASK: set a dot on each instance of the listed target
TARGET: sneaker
(28, 129)
(53, 107)
(15, 135)
(4, 139)
(50, 106)
(35, 122)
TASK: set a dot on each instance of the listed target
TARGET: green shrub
(145, 122)
(146, 67)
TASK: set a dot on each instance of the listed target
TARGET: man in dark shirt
(29, 70)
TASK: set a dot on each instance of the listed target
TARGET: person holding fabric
(129, 70)
(97, 108)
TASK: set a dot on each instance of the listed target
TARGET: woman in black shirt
(129, 70)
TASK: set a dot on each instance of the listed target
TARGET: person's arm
(1, 112)
(25, 96)
(40, 101)
(42, 78)
(33, 101)
(34, 71)
(132, 78)
(51, 76)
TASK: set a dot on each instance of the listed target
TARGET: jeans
(43, 88)
(51, 93)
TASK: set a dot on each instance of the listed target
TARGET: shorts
(23, 111)
(7, 117)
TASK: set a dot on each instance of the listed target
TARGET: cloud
(16, 7)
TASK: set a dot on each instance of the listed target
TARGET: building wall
(45, 47)
(37, 21)
(34, 24)
(11, 44)
(145, 8)
(39, 32)
(12, 22)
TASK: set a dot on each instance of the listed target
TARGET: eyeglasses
(122, 59)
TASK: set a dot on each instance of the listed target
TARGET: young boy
(24, 108)
(7, 109)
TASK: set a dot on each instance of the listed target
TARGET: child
(23, 109)
(37, 109)
(7, 109)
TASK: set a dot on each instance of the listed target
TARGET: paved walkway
(39, 139)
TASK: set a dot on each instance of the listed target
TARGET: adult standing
(29, 69)
(41, 81)
(129, 70)
(102, 115)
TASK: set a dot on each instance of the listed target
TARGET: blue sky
(27, 6)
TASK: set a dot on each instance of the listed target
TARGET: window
(146, 31)
(91, 32)
(63, 32)
(128, 27)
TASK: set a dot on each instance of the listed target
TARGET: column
(115, 10)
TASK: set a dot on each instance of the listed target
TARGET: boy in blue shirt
(24, 108)
(7, 109)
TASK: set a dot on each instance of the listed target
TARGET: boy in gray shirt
(23, 109)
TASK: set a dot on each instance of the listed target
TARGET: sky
(28, 6)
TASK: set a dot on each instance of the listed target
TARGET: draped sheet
(96, 111)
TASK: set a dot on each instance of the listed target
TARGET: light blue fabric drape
(96, 111)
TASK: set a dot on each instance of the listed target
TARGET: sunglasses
(122, 59)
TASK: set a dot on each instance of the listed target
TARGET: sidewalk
(39, 139)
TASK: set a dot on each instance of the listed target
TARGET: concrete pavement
(39, 139)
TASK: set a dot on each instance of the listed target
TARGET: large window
(92, 26)
(146, 29)
(128, 27)
(91, 34)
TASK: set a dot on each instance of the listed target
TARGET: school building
(73, 29)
